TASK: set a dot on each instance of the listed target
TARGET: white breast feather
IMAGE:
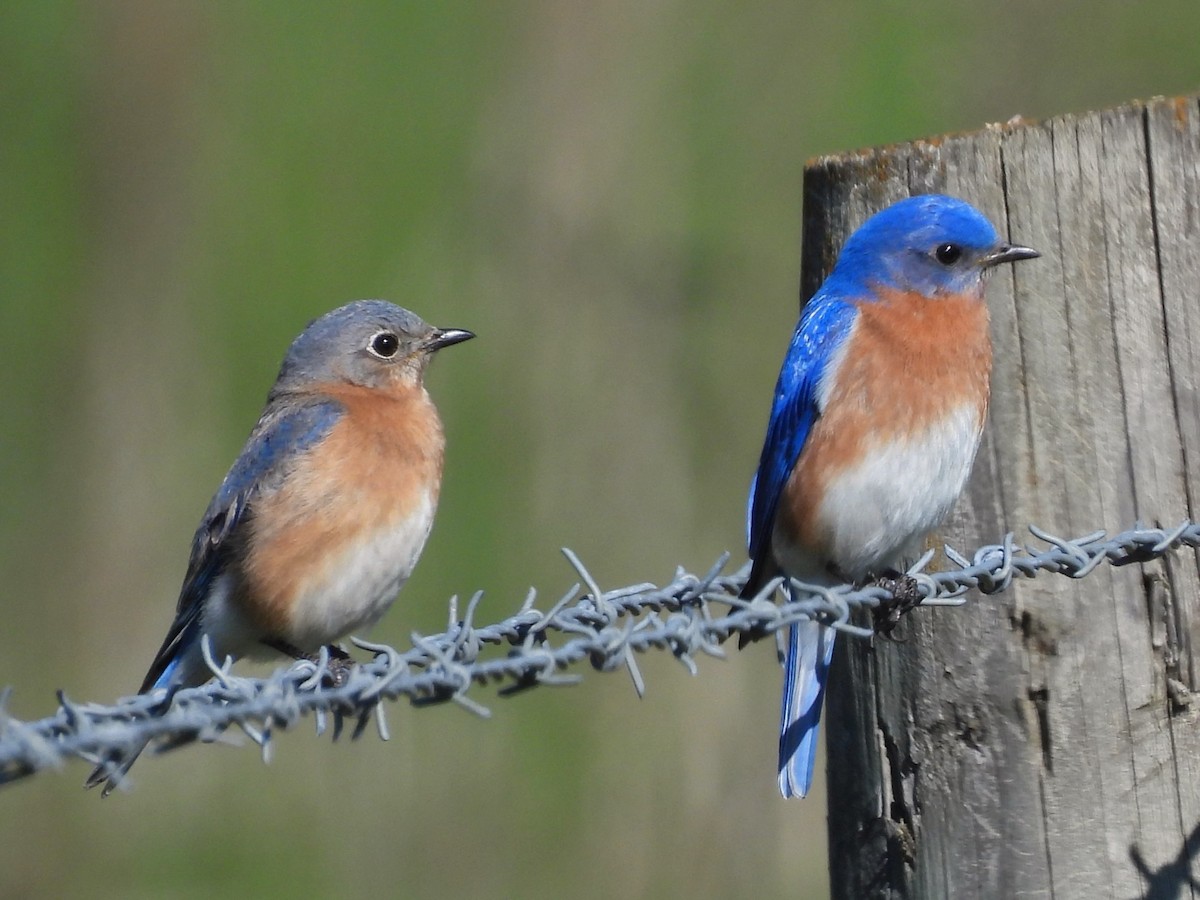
(875, 512)
(362, 582)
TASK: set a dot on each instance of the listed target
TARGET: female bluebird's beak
(1006, 253)
(445, 337)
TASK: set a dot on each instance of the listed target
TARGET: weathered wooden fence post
(1043, 742)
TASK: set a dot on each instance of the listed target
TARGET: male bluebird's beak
(445, 337)
(1006, 253)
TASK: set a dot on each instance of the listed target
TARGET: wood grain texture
(1043, 742)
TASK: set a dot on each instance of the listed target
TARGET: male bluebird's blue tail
(805, 672)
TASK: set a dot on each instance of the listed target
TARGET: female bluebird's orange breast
(911, 365)
(381, 463)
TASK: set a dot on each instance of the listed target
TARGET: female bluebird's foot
(337, 668)
(906, 596)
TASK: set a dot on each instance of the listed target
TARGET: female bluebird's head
(931, 244)
(371, 343)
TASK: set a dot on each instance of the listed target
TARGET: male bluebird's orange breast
(378, 467)
(911, 366)
(911, 358)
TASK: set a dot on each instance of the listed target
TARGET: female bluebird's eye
(384, 345)
(948, 254)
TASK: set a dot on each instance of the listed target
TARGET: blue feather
(290, 425)
(823, 325)
(806, 672)
(930, 245)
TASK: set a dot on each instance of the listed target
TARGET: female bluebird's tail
(806, 669)
(169, 671)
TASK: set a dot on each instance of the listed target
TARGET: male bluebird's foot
(906, 596)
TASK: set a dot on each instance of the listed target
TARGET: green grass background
(609, 194)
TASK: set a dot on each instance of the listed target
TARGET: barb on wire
(689, 616)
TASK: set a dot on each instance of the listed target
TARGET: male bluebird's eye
(948, 254)
(384, 345)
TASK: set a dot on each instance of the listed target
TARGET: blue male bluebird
(876, 418)
(323, 515)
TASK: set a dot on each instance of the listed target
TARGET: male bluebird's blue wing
(289, 427)
(823, 325)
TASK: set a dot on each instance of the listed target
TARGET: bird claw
(906, 596)
(337, 669)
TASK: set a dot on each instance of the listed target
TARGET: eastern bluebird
(323, 515)
(874, 425)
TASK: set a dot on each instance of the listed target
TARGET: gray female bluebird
(324, 514)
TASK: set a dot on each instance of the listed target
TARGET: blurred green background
(609, 194)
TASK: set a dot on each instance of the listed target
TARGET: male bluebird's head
(931, 244)
(371, 343)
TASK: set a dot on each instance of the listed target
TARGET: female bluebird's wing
(823, 325)
(288, 427)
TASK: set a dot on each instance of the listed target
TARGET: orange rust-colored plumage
(380, 461)
(909, 360)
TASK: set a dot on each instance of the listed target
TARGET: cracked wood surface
(1043, 742)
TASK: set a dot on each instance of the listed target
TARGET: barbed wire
(531, 648)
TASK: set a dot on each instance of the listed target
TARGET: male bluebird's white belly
(874, 510)
(902, 402)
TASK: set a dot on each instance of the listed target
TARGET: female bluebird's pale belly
(359, 583)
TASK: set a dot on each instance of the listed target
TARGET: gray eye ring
(383, 345)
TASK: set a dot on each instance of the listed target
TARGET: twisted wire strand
(530, 648)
